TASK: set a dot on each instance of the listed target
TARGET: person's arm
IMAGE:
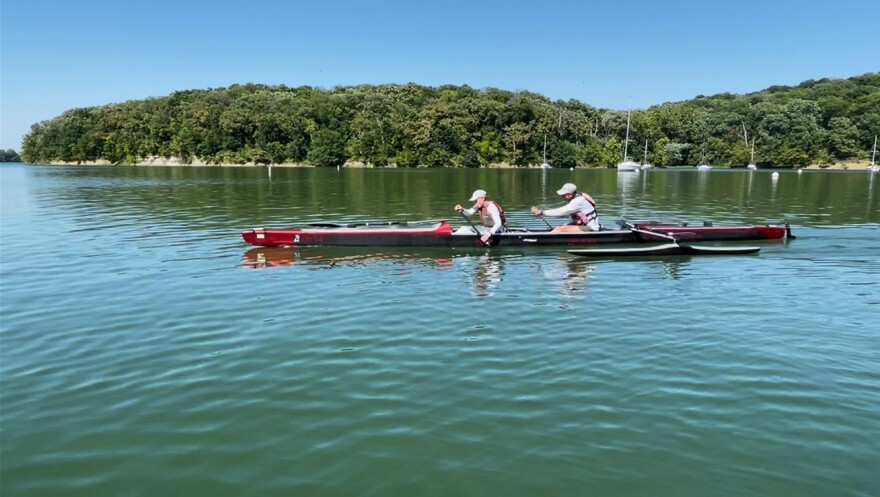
(467, 212)
(566, 210)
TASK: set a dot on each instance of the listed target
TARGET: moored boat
(441, 234)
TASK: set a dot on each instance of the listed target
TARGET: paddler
(581, 208)
(489, 210)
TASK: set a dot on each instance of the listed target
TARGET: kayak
(440, 233)
(666, 249)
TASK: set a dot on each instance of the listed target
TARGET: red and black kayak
(441, 234)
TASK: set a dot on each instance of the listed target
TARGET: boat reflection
(266, 257)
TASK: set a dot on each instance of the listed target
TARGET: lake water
(146, 350)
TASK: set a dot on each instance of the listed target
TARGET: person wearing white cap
(581, 208)
(483, 206)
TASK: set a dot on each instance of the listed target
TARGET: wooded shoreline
(176, 162)
(823, 123)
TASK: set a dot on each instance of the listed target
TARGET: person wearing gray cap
(483, 206)
(581, 208)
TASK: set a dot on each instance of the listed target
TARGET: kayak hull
(440, 234)
(662, 250)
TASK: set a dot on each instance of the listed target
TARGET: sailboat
(703, 165)
(545, 165)
(645, 163)
(752, 164)
(627, 165)
(874, 167)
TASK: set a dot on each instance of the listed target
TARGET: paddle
(654, 233)
(633, 227)
(472, 225)
(545, 222)
(469, 222)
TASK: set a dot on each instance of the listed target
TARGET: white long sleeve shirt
(493, 212)
(577, 204)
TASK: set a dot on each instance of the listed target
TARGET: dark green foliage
(9, 155)
(327, 149)
(818, 121)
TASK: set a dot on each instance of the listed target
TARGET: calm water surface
(146, 350)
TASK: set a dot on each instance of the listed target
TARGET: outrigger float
(675, 247)
(439, 233)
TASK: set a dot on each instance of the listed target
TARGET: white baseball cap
(477, 194)
(566, 189)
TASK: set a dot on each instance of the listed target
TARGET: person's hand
(458, 207)
(485, 238)
(537, 212)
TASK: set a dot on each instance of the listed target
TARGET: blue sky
(57, 55)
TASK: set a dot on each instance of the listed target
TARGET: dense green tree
(843, 138)
(327, 149)
(661, 157)
(9, 155)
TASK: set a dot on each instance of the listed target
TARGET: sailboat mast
(753, 152)
(545, 148)
(874, 154)
(646, 151)
(626, 142)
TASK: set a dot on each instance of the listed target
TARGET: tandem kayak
(441, 234)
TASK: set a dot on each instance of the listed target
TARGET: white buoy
(800, 171)
(775, 175)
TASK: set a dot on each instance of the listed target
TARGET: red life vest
(500, 212)
(579, 218)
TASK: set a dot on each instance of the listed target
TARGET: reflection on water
(571, 273)
(488, 269)
(674, 267)
(628, 189)
(485, 271)
(266, 257)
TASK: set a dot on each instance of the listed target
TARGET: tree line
(407, 125)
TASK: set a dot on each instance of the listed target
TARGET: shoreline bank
(174, 161)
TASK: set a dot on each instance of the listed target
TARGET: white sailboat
(752, 164)
(545, 165)
(874, 167)
(627, 165)
(645, 163)
(703, 165)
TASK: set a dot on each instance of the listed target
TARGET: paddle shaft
(472, 224)
(469, 222)
(633, 227)
(654, 233)
(545, 221)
